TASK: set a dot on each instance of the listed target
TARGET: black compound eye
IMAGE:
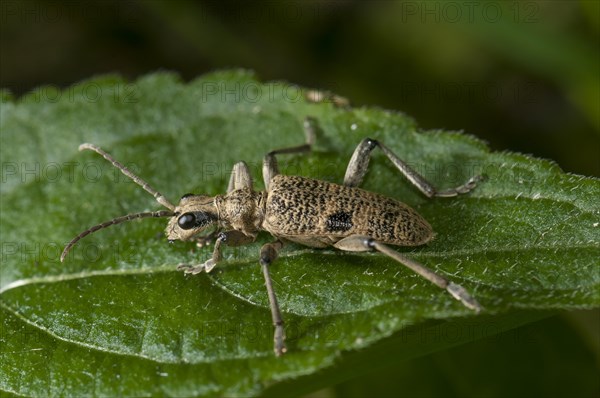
(187, 195)
(187, 221)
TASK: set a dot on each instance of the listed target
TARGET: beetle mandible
(307, 211)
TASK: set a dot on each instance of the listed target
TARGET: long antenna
(118, 220)
(157, 195)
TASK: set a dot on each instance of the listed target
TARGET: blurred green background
(523, 76)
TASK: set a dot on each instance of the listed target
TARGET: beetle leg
(270, 168)
(360, 243)
(229, 238)
(268, 254)
(206, 240)
(357, 168)
(240, 177)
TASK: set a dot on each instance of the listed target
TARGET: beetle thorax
(242, 210)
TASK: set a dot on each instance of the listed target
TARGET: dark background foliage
(521, 75)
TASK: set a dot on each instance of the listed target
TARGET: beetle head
(193, 214)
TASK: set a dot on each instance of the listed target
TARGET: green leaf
(503, 365)
(118, 319)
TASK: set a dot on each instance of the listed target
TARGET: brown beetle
(307, 211)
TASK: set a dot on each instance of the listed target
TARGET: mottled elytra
(307, 211)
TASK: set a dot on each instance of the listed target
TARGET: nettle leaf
(117, 318)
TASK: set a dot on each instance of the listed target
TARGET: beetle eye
(187, 221)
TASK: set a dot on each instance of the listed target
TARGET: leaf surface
(118, 319)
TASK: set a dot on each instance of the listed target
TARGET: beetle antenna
(114, 221)
(157, 195)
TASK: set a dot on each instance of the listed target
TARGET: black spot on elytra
(339, 222)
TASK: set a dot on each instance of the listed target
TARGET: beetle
(296, 209)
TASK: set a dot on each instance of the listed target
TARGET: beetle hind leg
(358, 243)
(357, 168)
(270, 168)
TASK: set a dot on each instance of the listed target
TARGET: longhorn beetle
(307, 211)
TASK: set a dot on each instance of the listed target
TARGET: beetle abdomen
(303, 206)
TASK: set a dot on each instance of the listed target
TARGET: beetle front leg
(357, 168)
(207, 240)
(268, 254)
(229, 238)
(358, 243)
